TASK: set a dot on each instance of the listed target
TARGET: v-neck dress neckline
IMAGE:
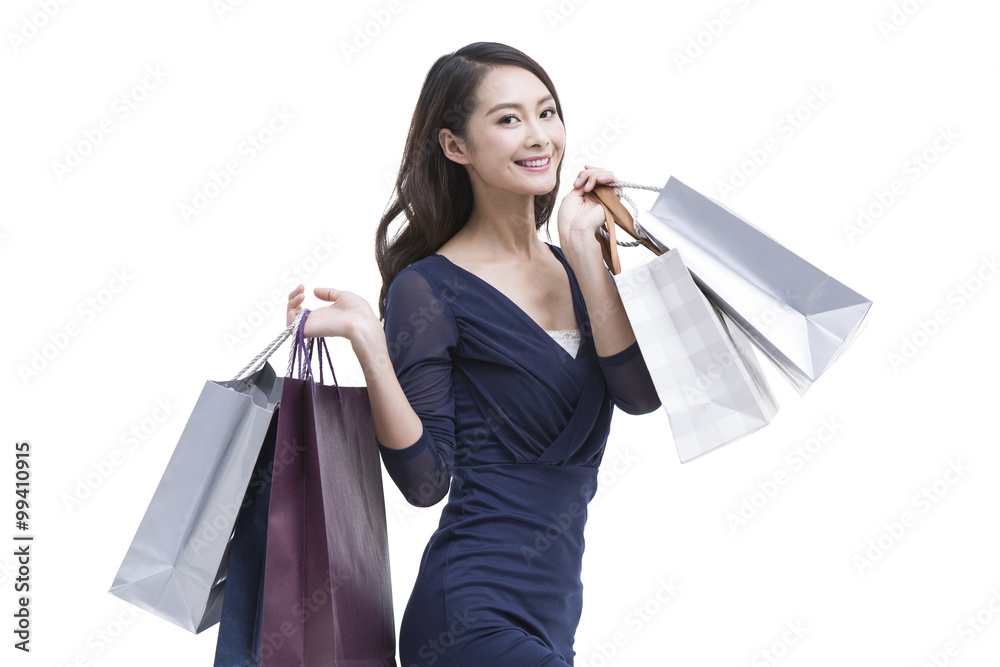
(523, 316)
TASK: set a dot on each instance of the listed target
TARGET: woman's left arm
(580, 215)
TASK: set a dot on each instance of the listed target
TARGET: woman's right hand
(343, 317)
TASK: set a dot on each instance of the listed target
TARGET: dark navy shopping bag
(239, 639)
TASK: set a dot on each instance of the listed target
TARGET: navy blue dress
(514, 428)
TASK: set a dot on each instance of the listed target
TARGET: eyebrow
(515, 105)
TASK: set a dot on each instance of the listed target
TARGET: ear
(455, 148)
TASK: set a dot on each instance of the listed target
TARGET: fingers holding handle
(295, 299)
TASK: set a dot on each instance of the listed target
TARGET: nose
(536, 134)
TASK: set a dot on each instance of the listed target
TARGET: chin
(542, 190)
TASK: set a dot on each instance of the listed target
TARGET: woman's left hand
(580, 214)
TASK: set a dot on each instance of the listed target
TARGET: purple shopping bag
(327, 591)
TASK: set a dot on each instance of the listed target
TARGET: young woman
(500, 360)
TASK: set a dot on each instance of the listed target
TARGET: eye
(503, 121)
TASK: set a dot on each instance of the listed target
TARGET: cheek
(558, 136)
(501, 146)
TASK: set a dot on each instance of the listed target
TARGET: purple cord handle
(304, 364)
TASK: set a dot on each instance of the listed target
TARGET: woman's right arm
(407, 368)
(397, 425)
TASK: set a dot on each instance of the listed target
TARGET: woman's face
(515, 138)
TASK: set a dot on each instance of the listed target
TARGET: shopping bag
(175, 566)
(327, 591)
(703, 367)
(239, 640)
(800, 317)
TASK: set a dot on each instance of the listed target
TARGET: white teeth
(534, 163)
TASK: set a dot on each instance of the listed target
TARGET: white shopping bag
(703, 366)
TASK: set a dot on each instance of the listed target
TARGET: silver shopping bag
(703, 367)
(176, 564)
(800, 317)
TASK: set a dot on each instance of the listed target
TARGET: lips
(535, 163)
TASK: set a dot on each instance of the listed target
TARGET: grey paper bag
(799, 316)
(176, 564)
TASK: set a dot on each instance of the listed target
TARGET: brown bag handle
(616, 215)
(609, 246)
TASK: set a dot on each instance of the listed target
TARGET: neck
(502, 223)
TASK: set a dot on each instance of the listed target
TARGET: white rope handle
(635, 209)
(267, 352)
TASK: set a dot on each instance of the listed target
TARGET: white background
(195, 300)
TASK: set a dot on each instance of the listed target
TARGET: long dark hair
(432, 192)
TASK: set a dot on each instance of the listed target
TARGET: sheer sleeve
(421, 333)
(629, 380)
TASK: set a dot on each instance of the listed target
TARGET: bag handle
(301, 354)
(608, 245)
(264, 355)
(617, 215)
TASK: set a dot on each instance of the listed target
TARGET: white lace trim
(568, 338)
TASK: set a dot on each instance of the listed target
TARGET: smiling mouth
(533, 163)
